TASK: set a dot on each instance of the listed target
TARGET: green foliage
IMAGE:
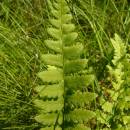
(114, 106)
(63, 97)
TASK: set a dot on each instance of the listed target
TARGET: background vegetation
(22, 34)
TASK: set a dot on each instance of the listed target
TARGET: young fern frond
(117, 71)
(114, 108)
(63, 97)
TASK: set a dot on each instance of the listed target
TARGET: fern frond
(65, 80)
(119, 49)
(117, 71)
(118, 92)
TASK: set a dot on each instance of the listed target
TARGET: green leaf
(48, 128)
(73, 52)
(79, 99)
(55, 22)
(107, 107)
(55, 33)
(54, 45)
(46, 106)
(50, 91)
(74, 66)
(48, 119)
(68, 28)
(54, 60)
(66, 18)
(54, 75)
(78, 127)
(68, 39)
(79, 116)
(78, 82)
(126, 119)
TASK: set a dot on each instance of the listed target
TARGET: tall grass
(21, 29)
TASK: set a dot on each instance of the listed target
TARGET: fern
(117, 71)
(115, 106)
(63, 97)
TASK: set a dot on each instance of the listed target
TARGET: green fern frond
(117, 72)
(65, 81)
(119, 49)
(117, 102)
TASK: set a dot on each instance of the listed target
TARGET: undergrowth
(90, 52)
